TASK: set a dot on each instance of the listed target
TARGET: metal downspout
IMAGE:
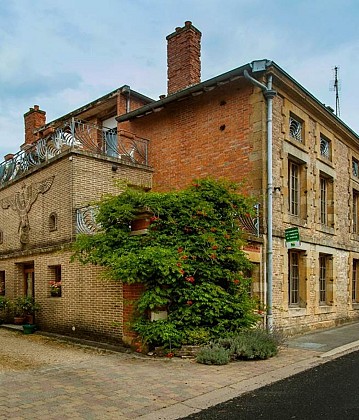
(269, 95)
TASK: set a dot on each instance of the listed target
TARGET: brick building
(254, 124)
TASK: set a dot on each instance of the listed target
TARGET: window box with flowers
(55, 288)
(56, 283)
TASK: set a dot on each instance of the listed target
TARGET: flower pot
(55, 293)
(19, 320)
(29, 319)
(29, 328)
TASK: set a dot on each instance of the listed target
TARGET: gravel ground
(21, 352)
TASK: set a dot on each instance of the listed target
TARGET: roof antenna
(335, 86)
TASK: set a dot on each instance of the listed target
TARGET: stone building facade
(216, 128)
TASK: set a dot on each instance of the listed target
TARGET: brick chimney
(183, 58)
(34, 118)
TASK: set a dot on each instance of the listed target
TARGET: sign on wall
(292, 239)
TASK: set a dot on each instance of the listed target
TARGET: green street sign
(292, 238)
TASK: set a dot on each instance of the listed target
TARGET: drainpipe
(269, 94)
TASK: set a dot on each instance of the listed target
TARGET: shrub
(190, 261)
(213, 354)
(159, 333)
(5, 309)
(251, 344)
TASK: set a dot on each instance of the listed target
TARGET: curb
(210, 399)
(341, 350)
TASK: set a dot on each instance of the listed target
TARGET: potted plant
(18, 311)
(25, 307)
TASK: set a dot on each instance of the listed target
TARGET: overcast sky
(63, 54)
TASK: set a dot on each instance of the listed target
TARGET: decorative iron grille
(325, 147)
(295, 129)
(76, 135)
(86, 220)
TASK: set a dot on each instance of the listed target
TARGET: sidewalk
(72, 382)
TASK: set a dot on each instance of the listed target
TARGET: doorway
(29, 281)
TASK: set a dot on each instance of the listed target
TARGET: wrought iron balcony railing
(77, 135)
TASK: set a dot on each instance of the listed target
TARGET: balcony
(76, 135)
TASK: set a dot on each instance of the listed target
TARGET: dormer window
(295, 129)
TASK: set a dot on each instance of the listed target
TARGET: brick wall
(34, 118)
(183, 58)
(90, 306)
(208, 135)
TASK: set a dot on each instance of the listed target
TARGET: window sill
(295, 220)
(297, 144)
(326, 161)
(324, 309)
(325, 229)
(296, 311)
(355, 306)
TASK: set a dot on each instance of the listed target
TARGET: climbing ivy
(190, 261)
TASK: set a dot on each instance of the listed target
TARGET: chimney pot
(188, 23)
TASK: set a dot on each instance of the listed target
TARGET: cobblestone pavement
(42, 378)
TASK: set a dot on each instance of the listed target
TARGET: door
(29, 281)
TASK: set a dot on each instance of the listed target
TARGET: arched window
(53, 222)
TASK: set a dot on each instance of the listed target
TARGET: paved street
(325, 392)
(42, 378)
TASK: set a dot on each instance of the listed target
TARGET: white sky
(62, 54)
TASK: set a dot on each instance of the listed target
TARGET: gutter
(269, 94)
(194, 90)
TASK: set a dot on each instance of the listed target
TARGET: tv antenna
(335, 85)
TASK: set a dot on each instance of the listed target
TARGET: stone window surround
(290, 110)
(300, 157)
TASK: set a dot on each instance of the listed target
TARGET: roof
(96, 103)
(194, 90)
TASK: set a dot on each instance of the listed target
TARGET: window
(2, 283)
(325, 148)
(355, 214)
(52, 222)
(323, 201)
(295, 129)
(1, 236)
(296, 278)
(294, 188)
(293, 278)
(56, 281)
(355, 168)
(322, 280)
(325, 279)
(355, 286)
(297, 198)
(326, 201)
